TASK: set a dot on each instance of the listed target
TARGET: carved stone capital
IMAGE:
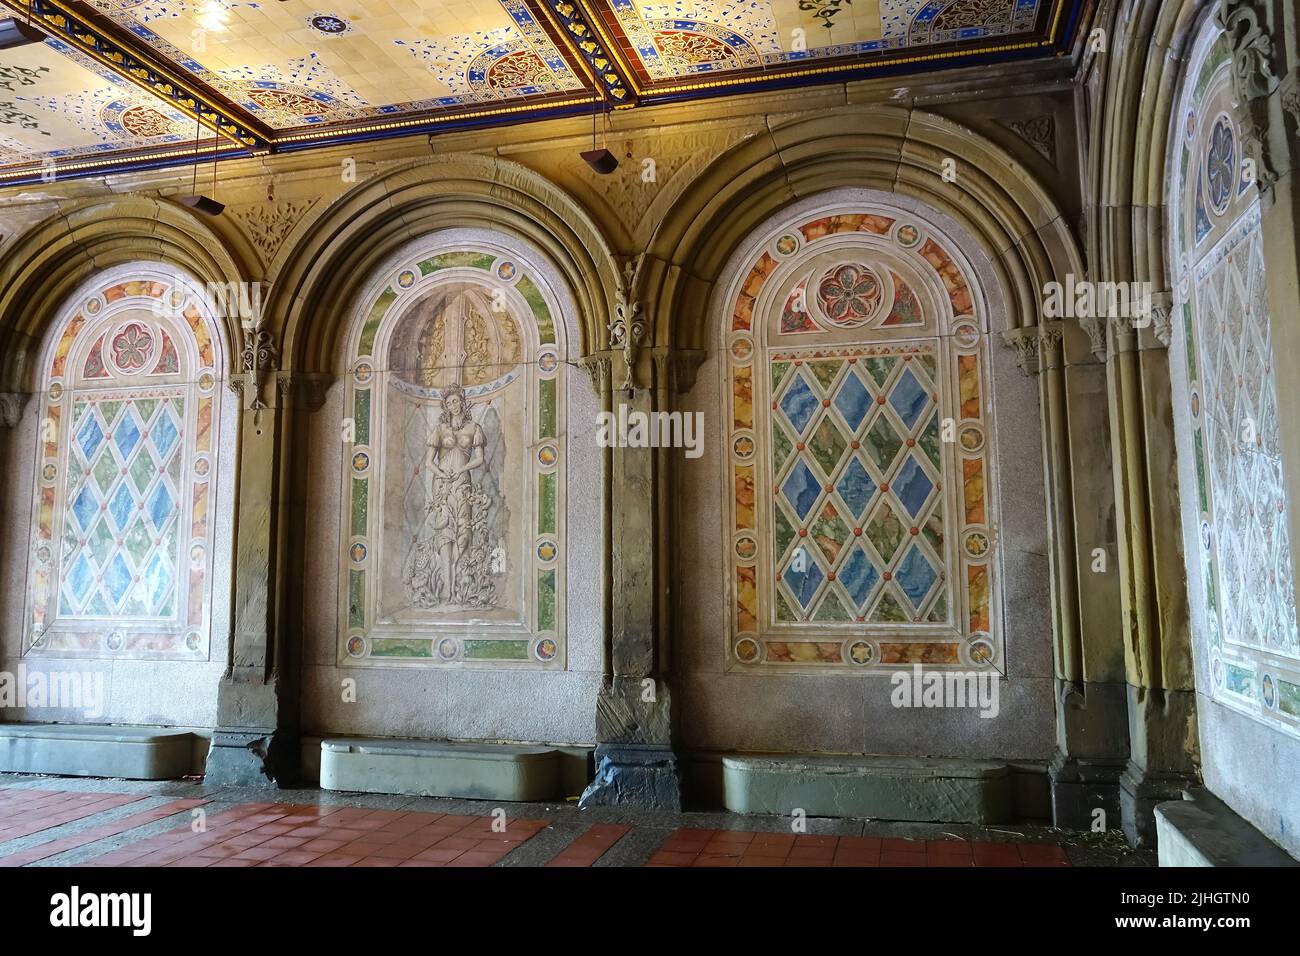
(1025, 342)
(676, 369)
(11, 408)
(599, 369)
(1095, 328)
(1162, 308)
(302, 390)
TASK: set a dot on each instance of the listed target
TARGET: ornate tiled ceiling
(123, 82)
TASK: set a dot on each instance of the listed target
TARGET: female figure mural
(448, 563)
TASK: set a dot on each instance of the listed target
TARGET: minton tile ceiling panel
(296, 63)
(58, 104)
(696, 40)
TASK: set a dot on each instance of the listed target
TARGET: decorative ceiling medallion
(329, 24)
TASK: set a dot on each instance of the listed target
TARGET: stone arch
(55, 257)
(315, 287)
(995, 199)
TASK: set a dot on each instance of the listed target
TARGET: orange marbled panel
(45, 520)
(919, 653)
(41, 596)
(744, 497)
(977, 585)
(880, 225)
(202, 340)
(113, 293)
(816, 228)
(742, 319)
(746, 600)
(973, 489)
(53, 413)
(199, 525)
(203, 427)
(742, 391)
(804, 652)
(194, 607)
(968, 381)
(65, 345)
(958, 293)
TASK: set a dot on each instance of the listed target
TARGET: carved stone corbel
(627, 332)
(303, 391)
(261, 358)
(1253, 81)
(11, 408)
(676, 369)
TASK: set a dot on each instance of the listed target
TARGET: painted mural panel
(122, 543)
(1246, 602)
(454, 490)
(863, 530)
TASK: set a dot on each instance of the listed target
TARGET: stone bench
(437, 768)
(912, 789)
(1202, 830)
(86, 750)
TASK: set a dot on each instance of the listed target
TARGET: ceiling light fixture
(196, 201)
(601, 160)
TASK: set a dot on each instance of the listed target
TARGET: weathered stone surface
(134, 753)
(248, 758)
(434, 768)
(886, 788)
(644, 777)
(1202, 830)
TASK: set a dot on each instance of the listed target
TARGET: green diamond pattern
(885, 530)
(781, 448)
(882, 443)
(105, 470)
(827, 445)
(142, 470)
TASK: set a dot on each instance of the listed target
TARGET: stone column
(1091, 704)
(256, 742)
(636, 764)
(1091, 718)
(1153, 598)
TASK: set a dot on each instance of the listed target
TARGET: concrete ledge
(83, 750)
(436, 768)
(882, 788)
(1202, 830)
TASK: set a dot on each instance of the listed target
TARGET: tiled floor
(55, 821)
(691, 847)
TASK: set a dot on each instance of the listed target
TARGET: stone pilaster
(256, 742)
(1091, 725)
(1163, 750)
(636, 764)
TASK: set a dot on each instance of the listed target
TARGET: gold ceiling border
(55, 19)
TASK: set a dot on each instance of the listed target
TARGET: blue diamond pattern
(799, 404)
(80, 578)
(915, 576)
(909, 399)
(804, 583)
(913, 487)
(159, 505)
(85, 507)
(853, 400)
(856, 487)
(859, 576)
(121, 506)
(89, 437)
(157, 579)
(801, 489)
(127, 435)
(164, 433)
(117, 578)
